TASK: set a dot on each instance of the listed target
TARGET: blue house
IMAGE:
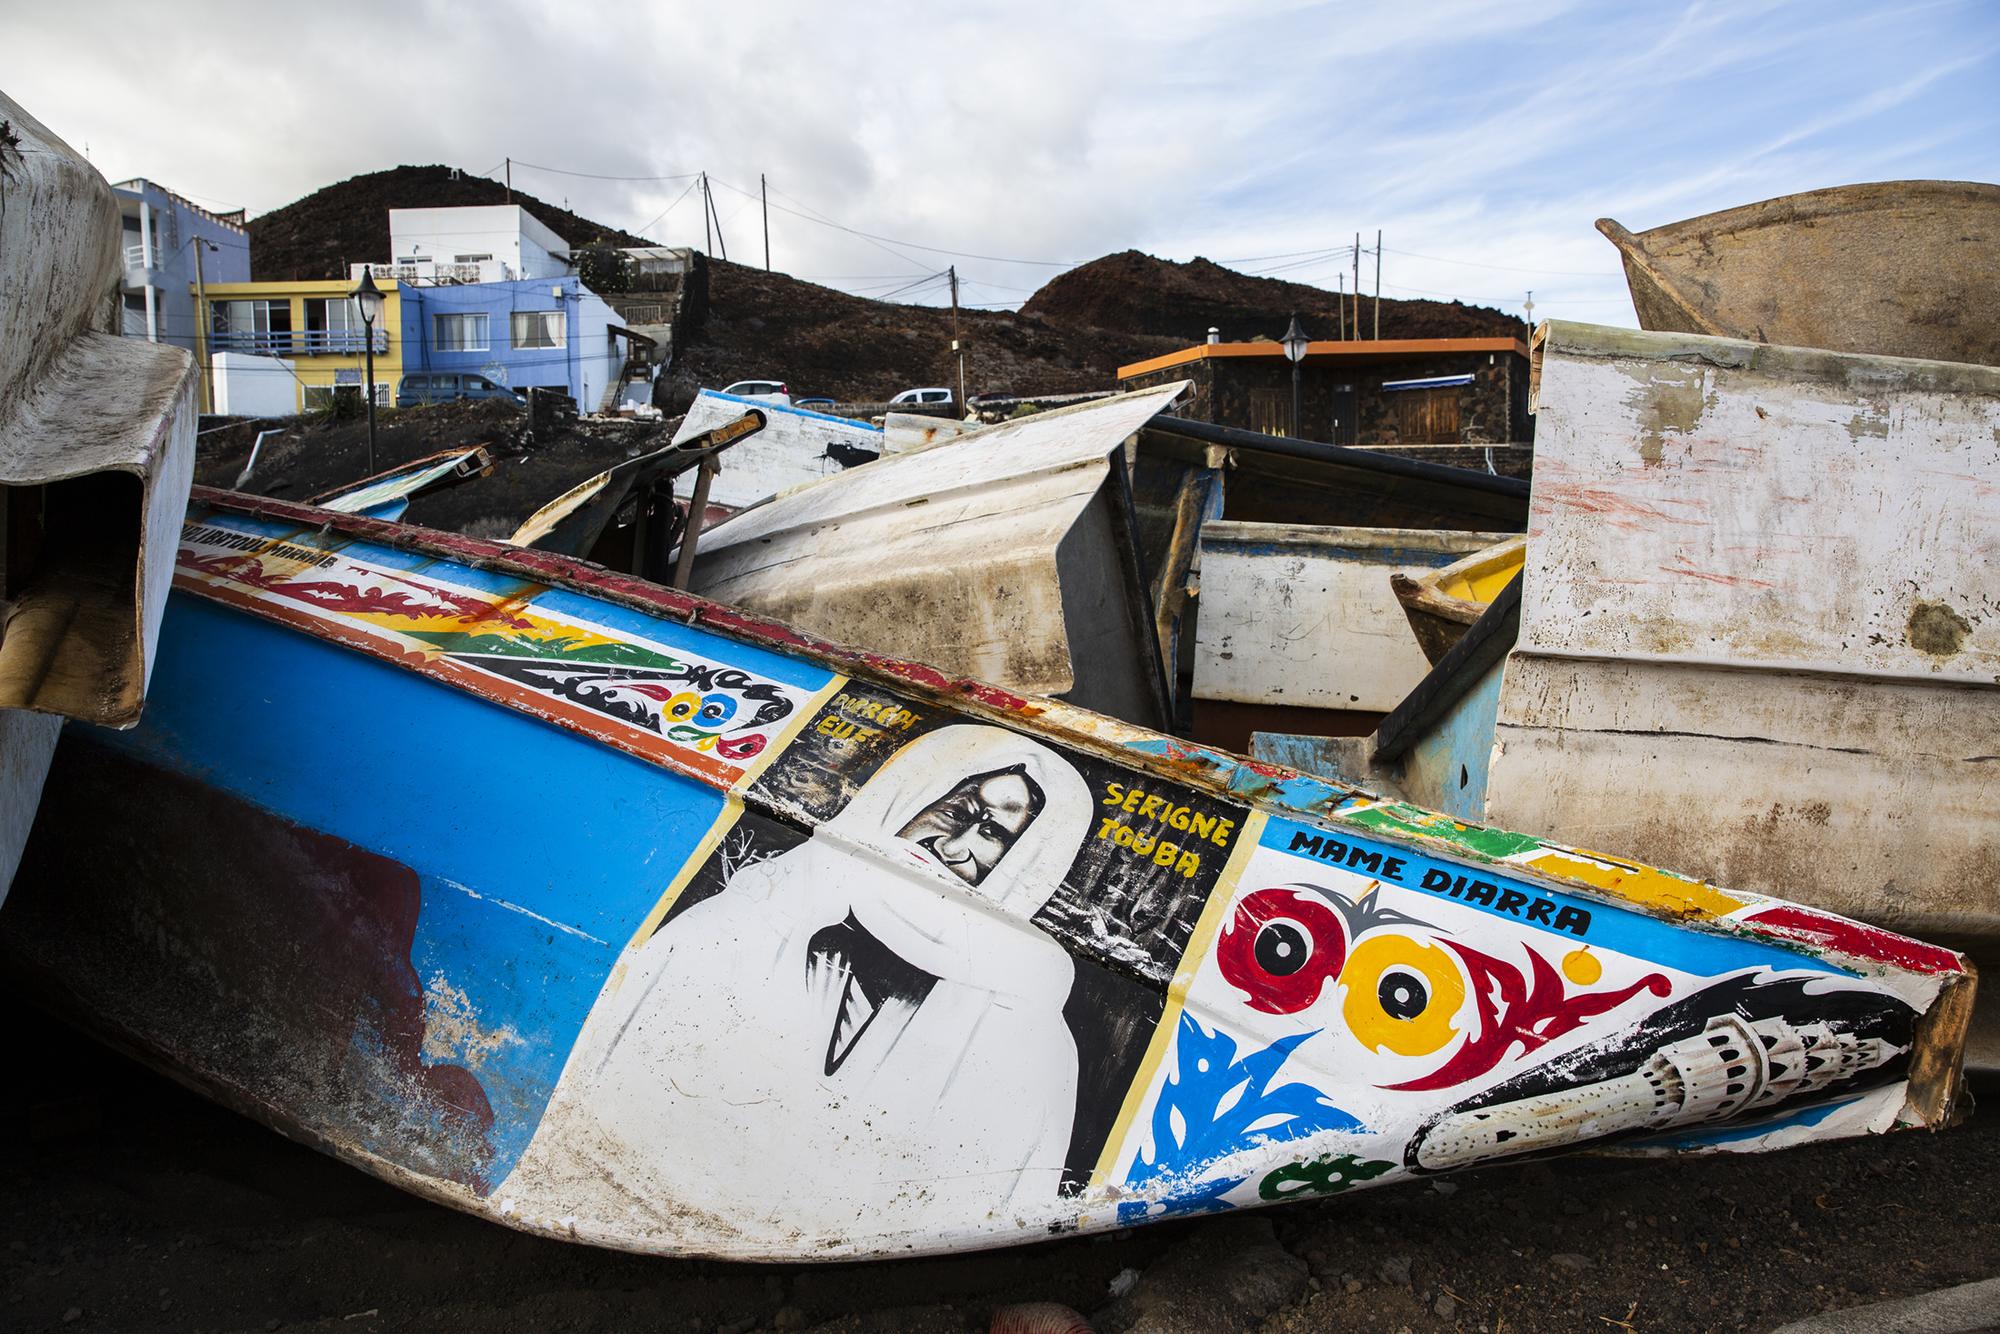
(549, 332)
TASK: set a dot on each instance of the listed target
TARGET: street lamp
(1295, 352)
(369, 298)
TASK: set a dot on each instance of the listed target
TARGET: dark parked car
(443, 387)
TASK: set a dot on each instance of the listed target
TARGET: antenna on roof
(455, 174)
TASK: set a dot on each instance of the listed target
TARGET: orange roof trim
(1327, 349)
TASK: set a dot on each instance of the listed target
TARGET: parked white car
(933, 395)
(768, 391)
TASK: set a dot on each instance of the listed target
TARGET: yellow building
(315, 327)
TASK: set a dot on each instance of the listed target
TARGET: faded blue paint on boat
(1448, 768)
(388, 760)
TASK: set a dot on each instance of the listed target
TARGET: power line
(825, 221)
(669, 208)
(594, 176)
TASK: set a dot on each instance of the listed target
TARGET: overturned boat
(1754, 636)
(96, 453)
(1896, 268)
(793, 446)
(611, 913)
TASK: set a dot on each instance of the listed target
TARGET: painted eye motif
(1281, 948)
(1402, 995)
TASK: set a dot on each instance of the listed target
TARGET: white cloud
(1486, 137)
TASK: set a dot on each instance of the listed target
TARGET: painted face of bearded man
(970, 828)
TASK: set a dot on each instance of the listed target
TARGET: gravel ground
(130, 1204)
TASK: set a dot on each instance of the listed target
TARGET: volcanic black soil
(128, 1203)
(529, 469)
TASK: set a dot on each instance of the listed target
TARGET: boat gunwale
(1259, 784)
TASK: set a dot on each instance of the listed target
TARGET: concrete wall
(248, 385)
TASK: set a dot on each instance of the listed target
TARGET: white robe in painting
(848, 1038)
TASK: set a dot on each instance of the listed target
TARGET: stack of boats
(875, 891)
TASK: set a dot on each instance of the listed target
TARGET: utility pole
(720, 239)
(1340, 304)
(1379, 283)
(707, 238)
(1357, 285)
(764, 193)
(957, 347)
(202, 322)
(510, 180)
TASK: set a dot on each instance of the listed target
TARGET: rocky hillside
(348, 222)
(821, 341)
(1139, 294)
(1071, 335)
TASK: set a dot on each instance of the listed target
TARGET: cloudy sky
(1483, 139)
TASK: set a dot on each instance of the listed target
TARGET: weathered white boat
(794, 446)
(96, 453)
(1757, 636)
(1010, 553)
(1897, 268)
(608, 912)
(1300, 623)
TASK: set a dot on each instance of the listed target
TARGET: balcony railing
(310, 343)
(135, 256)
(430, 274)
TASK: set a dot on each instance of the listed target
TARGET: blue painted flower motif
(1215, 1104)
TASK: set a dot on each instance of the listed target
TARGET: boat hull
(607, 913)
(96, 455)
(1896, 268)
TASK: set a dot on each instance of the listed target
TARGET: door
(1271, 411)
(1346, 425)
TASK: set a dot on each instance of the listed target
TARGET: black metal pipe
(1392, 465)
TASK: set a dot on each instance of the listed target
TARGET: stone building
(1391, 391)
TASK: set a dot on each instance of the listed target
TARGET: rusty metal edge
(1936, 1073)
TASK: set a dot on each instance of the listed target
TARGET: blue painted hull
(603, 912)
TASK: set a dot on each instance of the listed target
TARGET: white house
(487, 243)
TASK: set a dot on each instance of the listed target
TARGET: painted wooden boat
(1755, 637)
(1299, 624)
(610, 913)
(387, 494)
(1442, 604)
(96, 453)
(794, 447)
(1896, 268)
(1012, 554)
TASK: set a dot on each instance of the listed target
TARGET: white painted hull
(80, 409)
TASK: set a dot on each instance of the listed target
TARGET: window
(320, 397)
(1427, 416)
(473, 259)
(1271, 411)
(461, 333)
(540, 328)
(338, 315)
(251, 326)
